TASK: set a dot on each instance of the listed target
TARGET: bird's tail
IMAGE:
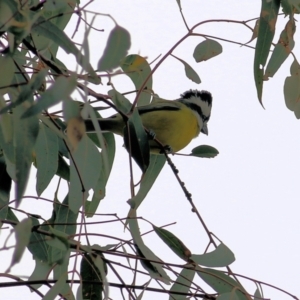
(113, 124)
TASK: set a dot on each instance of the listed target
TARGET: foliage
(33, 79)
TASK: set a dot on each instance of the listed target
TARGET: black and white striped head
(200, 102)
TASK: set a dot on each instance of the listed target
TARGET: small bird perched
(173, 123)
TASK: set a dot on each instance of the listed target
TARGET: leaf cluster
(34, 80)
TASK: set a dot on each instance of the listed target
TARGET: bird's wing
(159, 105)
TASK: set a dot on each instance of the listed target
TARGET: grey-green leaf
(22, 232)
(27, 90)
(136, 141)
(222, 256)
(60, 90)
(266, 31)
(116, 49)
(282, 49)
(189, 71)
(174, 243)
(25, 134)
(46, 149)
(88, 163)
(7, 68)
(204, 151)
(138, 70)
(292, 90)
(221, 282)
(182, 283)
(157, 162)
(206, 50)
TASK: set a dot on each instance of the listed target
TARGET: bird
(174, 123)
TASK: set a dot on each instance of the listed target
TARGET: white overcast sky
(249, 194)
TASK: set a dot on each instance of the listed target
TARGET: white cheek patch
(205, 107)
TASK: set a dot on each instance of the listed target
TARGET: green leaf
(157, 162)
(101, 266)
(120, 101)
(220, 257)
(204, 151)
(182, 284)
(27, 90)
(229, 296)
(99, 189)
(38, 246)
(138, 70)
(45, 28)
(5, 187)
(41, 272)
(8, 10)
(25, 134)
(6, 133)
(59, 12)
(46, 149)
(61, 270)
(282, 49)
(22, 232)
(221, 282)
(116, 49)
(7, 68)
(189, 71)
(61, 89)
(136, 141)
(56, 288)
(88, 165)
(65, 217)
(292, 89)
(155, 270)
(289, 7)
(90, 273)
(63, 169)
(206, 50)
(174, 243)
(266, 31)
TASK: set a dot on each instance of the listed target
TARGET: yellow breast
(174, 128)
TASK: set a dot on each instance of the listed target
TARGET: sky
(248, 195)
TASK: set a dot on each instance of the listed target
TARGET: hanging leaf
(46, 149)
(23, 232)
(91, 277)
(27, 90)
(266, 31)
(182, 283)
(282, 49)
(60, 90)
(221, 282)
(292, 89)
(189, 72)
(25, 133)
(116, 49)
(136, 141)
(7, 68)
(204, 151)
(222, 256)
(174, 243)
(88, 165)
(155, 270)
(206, 50)
(138, 70)
(157, 162)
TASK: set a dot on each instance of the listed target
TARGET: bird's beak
(204, 129)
